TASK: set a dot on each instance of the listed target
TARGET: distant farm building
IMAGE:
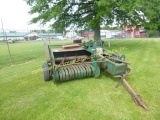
(13, 35)
(50, 35)
(71, 35)
(31, 36)
(134, 32)
(111, 34)
(28, 36)
(88, 34)
(104, 34)
(34, 36)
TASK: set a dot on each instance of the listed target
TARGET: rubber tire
(46, 72)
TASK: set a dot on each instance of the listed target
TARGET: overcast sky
(14, 14)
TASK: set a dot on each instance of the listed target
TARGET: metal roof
(22, 34)
(16, 34)
(50, 34)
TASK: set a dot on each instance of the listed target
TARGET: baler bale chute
(77, 61)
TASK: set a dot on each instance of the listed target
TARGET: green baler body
(116, 68)
(77, 63)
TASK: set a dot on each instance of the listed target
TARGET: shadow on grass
(73, 80)
(109, 76)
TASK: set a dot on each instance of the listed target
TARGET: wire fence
(25, 46)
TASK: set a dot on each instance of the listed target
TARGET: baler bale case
(77, 61)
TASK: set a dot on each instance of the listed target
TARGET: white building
(71, 35)
(110, 33)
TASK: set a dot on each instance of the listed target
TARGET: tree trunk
(97, 36)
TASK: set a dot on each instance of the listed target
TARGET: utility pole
(5, 38)
(28, 33)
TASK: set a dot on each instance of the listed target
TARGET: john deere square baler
(77, 61)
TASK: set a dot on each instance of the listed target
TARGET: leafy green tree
(112, 28)
(150, 11)
(86, 13)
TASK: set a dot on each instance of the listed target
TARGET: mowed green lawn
(24, 94)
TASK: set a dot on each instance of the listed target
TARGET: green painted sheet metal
(116, 68)
(96, 68)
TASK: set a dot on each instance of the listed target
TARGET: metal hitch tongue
(136, 98)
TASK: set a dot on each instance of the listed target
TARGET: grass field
(24, 95)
